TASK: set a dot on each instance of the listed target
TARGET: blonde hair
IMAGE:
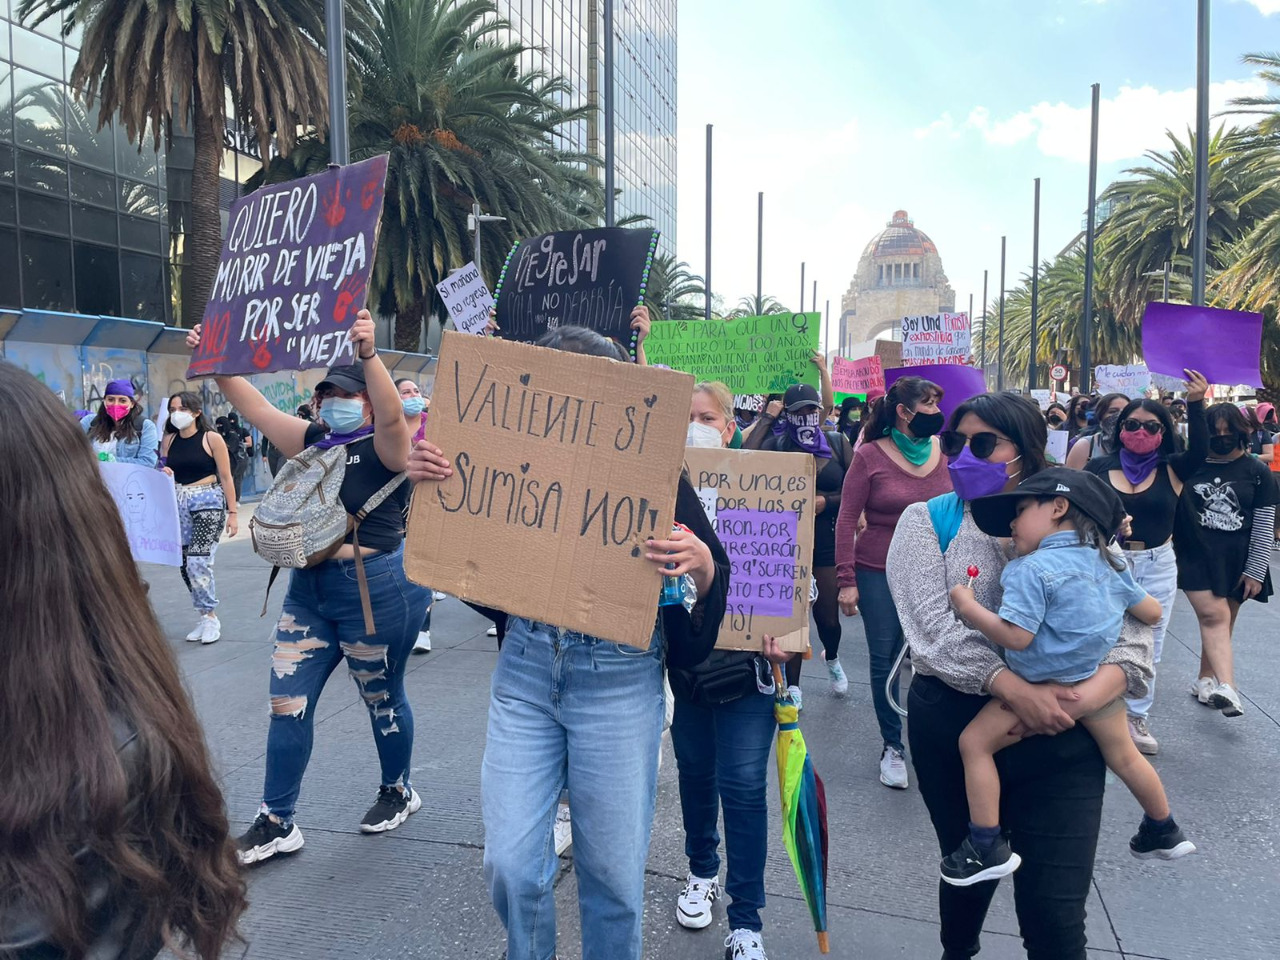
(722, 395)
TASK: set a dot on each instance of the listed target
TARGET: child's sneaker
(1151, 843)
(967, 866)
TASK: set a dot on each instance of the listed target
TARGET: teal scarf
(915, 449)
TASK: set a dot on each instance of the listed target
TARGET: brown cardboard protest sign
(564, 465)
(761, 504)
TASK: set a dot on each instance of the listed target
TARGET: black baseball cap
(994, 515)
(799, 396)
(349, 378)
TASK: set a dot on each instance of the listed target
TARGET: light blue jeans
(1156, 571)
(569, 710)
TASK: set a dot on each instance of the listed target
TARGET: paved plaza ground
(418, 891)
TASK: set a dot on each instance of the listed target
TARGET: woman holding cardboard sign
(571, 709)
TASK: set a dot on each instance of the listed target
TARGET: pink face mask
(1140, 442)
(117, 411)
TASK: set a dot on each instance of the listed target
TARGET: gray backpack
(301, 521)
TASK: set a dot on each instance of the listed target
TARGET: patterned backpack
(301, 522)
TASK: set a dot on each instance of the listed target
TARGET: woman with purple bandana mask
(1148, 472)
(119, 431)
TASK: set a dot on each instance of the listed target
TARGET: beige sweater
(920, 579)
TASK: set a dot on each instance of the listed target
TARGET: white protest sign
(1043, 397)
(1131, 379)
(936, 338)
(149, 509)
(1057, 445)
(467, 299)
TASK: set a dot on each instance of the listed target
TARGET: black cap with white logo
(1086, 492)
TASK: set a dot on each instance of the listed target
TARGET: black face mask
(927, 424)
(1223, 446)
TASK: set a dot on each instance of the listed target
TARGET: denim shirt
(141, 451)
(1072, 601)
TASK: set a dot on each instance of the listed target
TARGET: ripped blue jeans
(202, 513)
(321, 624)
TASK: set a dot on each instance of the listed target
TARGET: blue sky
(843, 111)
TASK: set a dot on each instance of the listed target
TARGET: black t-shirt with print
(1215, 519)
(383, 529)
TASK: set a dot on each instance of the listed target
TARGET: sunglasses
(1151, 426)
(981, 445)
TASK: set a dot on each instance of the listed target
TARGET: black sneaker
(1170, 844)
(265, 839)
(392, 809)
(966, 866)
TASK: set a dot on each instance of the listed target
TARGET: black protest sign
(590, 278)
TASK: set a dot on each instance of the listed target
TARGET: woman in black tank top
(1148, 470)
(197, 459)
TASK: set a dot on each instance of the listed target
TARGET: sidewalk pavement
(419, 891)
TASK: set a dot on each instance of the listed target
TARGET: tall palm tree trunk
(409, 326)
(203, 242)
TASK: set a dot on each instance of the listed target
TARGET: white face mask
(702, 435)
(181, 419)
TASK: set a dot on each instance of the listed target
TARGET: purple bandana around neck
(805, 431)
(338, 439)
(1137, 468)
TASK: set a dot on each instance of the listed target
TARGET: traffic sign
(1058, 372)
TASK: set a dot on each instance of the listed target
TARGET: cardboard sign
(591, 278)
(1224, 345)
(294, 272)
(936, 338)
(761, 504)
(467, 298)
(1131, 379)
(750, 354)
(149, 508)
(856, 376)
(563, 466)
(889, 352)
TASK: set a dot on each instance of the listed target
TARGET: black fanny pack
(725, 676)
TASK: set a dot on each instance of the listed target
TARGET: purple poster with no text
(1224, 345)
(293, 274)
(761, 549)
(958, 382)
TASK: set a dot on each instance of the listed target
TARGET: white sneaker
(1201, 687)
(693, 906)
(423, 643)
(893, 769)
(744, 945)
(796, 697)
(210, 630)
(563, 830)
(437, 595)
(491, 632)
(194, 635)
(1225, 698)
(839, 682)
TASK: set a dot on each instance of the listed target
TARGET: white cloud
(1130, 123)
(1265, 7)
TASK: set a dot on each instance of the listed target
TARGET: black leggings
(826, 614)
(1051, 805)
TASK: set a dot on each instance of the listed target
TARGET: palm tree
(675, 292)
(161, 62)
(1268, 105)
(438, 86)
(757, 307)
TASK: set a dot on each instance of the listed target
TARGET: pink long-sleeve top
(877, 486)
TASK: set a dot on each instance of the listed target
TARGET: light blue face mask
(342, 414)
(413, 405)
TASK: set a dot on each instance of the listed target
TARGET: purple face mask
(973, 479)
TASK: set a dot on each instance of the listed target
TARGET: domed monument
(899, 275)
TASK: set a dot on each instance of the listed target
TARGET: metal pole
(760, 251)
(335, 30)
(984, 326)
(1000, 354)
(707, 278)
(814, 301)
(1035, 291)
(826, 332)
(609, 215)
(971, 326)
(1086, 322)
(1200, 228)
(802, 286)
(1167, 268)
(475, 216)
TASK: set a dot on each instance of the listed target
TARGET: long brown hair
(84, 657)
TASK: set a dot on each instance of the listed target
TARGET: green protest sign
(750, 354)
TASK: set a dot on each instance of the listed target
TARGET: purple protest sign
(1224, 345)
(761, 548)
(959, 383)
(293, 274)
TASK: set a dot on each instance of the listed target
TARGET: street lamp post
(1000, 348)
(335, 29)
(1035, 292)
(984, 326)
(610, 217)
(1200, 222)
(474, 219)
(1086, 322)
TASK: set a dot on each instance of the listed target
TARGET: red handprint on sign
(369, 195)
(350, 298)
(262, 356)
(334, 211)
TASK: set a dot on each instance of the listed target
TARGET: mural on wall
(56, 365)
(101, 365)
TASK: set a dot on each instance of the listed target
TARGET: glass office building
(567, 41)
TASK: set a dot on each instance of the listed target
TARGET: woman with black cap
(802, 433)
(118, 430)
(323, 619)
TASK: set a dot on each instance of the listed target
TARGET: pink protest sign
(958, 382)
(293, 274)
(1224, 345)
(856, 376)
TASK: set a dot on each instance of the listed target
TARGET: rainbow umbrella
(804, 810)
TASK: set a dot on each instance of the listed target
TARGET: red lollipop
(973, 574)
